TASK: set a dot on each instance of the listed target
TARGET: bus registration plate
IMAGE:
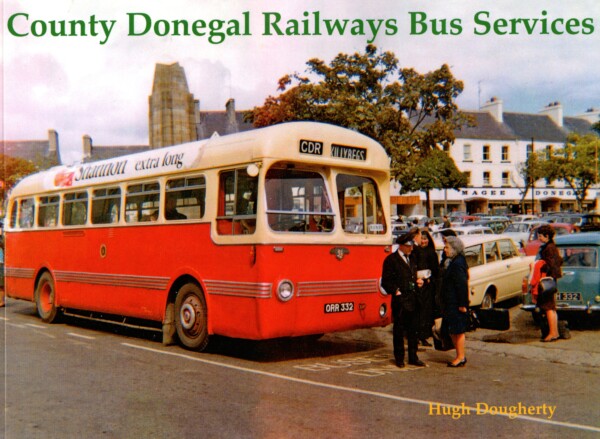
(339, 307)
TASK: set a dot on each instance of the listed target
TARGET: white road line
(364, 392)
(87, 337)
(36, 326)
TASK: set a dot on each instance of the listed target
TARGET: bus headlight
(382, 310)
(285, 290)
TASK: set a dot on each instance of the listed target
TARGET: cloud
(78, 86)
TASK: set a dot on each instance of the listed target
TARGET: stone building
(174, 114)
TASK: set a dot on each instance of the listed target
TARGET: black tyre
(191, 317)
(45, 299)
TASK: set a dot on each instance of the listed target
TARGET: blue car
(579, 287)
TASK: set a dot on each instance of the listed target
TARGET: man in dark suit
(400, 280)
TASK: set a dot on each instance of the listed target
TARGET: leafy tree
(596, 127)
(576, 164)
(409, 113)
(530, 171)
(12, 170)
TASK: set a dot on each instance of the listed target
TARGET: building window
(467, 153)
(486, 179)
(529, 149)
(486, 153)
(505, 179)
(468, 177)
(505, 153)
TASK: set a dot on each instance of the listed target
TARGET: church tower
(174, 114)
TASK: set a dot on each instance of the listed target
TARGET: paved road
(77, 379)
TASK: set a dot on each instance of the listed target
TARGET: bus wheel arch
(188, 310)
(45, 297)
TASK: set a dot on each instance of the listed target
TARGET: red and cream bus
(275, 232)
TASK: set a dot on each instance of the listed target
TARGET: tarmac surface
(523, 340)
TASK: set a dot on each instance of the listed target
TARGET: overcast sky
(79, 86)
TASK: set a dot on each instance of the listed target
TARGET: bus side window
(106, 205)
(48, 211)
(185, 198)
(13, 215)
(75, 209)
(26, 213)
(142, 202)
(237, 203)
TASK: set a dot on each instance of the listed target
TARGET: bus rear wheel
(45, 299)
(191, 317)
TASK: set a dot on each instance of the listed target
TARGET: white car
(519, 231)
(496, 269)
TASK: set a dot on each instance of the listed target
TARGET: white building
(490, 153)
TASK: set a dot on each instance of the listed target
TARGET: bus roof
(309, 142)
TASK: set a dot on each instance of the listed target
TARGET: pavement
(523, 340)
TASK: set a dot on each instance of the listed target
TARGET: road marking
(87, 337)
(36, 326)
(362, 391)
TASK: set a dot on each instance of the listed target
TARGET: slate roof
(486, 127)
(536, 126)
(216, 121)
(26, 149)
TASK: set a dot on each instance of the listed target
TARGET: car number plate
(339, 307)
(567, 297)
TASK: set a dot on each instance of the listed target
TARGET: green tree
(409, 113)
(14, 169)
(596, 127)
(530, 171)
(576, 164)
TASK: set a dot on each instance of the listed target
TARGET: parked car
(590, 222)
(579, 287)
(519, 231)
(496, 269)
(497, 225)
(533, 242)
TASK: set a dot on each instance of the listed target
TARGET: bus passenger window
(237, 203)
(185, 198)
(48, 211)
(75, 209)
(26, 213)
(297, 201)
(142, 202)
(13, 215)
(360, 206)
(106, 204)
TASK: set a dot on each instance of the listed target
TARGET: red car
(533, 243)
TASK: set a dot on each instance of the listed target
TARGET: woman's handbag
(546, 289)
(472, 320)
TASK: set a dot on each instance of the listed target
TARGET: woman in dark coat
(455, 297)
(428, 261)
(548, 252)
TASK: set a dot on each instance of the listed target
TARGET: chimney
(231, 120)
(52, 141)
(87, 147)
(592, 115)
(554, 111)
(494, 107)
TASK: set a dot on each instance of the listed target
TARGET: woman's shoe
(548, 340)
(461, 363)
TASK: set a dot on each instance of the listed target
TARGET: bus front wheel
(191, 317)
(45, 299)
